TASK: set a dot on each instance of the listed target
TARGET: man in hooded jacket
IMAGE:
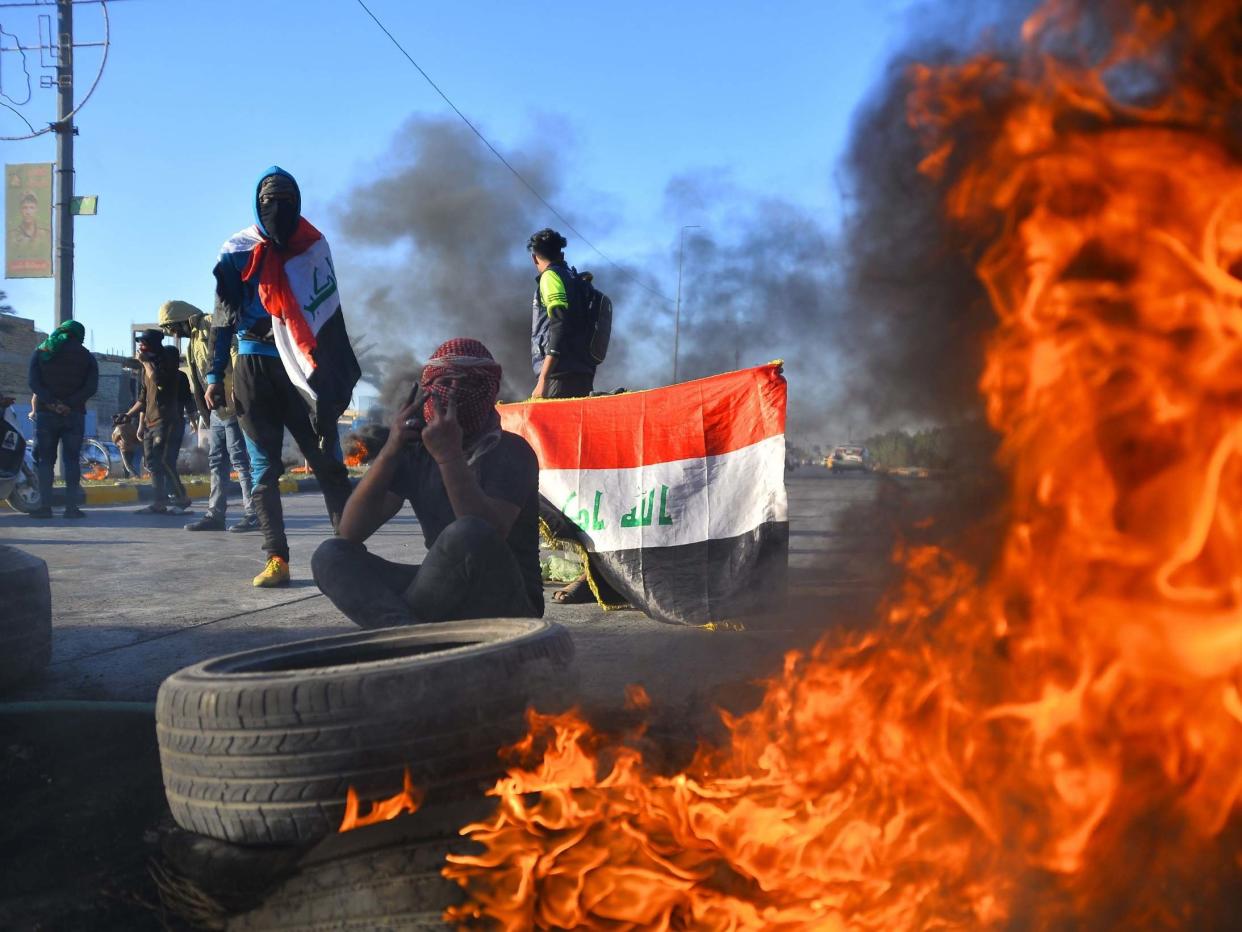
(276, 293)
(63, 376)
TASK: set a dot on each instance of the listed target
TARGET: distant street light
(677, 313)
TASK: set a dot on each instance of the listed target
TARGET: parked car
(850, 459)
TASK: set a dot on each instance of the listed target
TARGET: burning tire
(260, 747)
(26, 616)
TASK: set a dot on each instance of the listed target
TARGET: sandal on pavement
(577, 592)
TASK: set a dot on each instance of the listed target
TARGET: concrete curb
(127, 492)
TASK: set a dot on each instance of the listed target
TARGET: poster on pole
(28, 220)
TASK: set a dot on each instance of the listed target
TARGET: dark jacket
(172, 400)
(71, 377)
(562, 331)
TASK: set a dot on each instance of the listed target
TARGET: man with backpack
(570, 322)
(570, 326)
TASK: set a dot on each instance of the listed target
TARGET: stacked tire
(25, 616)
(261, 747)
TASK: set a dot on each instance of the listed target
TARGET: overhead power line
(505, 162)
(51, 3)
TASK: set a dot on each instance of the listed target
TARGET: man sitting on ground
(475, 490)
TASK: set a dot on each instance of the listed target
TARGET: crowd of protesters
(274, 357)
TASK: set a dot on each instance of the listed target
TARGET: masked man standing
(162, 407)
(63, 376)
(276, 292)
(227, 443)
(475, 490)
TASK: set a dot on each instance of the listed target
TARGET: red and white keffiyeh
(465, 369)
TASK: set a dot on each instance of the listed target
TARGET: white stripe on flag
(297, 366)
(678, 502)
(312, 278)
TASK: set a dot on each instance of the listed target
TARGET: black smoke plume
(448, 226)
(877, 313)
(760, 281)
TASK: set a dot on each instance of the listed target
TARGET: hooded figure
(63, 376)
(278, 206)
(63, 373)
(295, 369)
(276, 289)
(69, 332)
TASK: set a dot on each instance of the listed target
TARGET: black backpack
(599, 313)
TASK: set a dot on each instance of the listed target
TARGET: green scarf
(69, 330)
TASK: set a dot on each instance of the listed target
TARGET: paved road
(137, 597)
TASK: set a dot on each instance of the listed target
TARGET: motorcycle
(19, 480)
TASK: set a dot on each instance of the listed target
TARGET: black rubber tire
(25, 497)
(398, 889)
(260, 747)
(25, 616)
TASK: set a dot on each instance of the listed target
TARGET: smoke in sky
(761, 281)
(448, 227)
(876, 311)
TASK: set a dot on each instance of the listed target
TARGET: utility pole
(64, 162)
(677, 313)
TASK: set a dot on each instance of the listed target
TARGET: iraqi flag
(677, 493)
(297, 287)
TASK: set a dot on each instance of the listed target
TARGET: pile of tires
(25, 616)
(261, 747)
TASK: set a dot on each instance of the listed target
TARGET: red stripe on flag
(706, 417)
(275, 293)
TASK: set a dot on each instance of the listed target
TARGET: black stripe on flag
(729, 579)
(336, 369)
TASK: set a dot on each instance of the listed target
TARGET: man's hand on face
(405, 429)
(443, 436)
(213, 395)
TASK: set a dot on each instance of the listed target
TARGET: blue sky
(199, 96)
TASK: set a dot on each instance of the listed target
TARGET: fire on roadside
(356, 451)
(1052, 740)
(95, 471)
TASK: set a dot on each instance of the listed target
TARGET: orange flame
(96, 471)
(407, 801)
(356, 452)
(1056, 737)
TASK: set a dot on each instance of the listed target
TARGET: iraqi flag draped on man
(677, 493)
(297, 287)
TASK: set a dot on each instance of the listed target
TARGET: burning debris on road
(357, 450)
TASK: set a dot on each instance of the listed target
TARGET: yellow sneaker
(276, 573)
